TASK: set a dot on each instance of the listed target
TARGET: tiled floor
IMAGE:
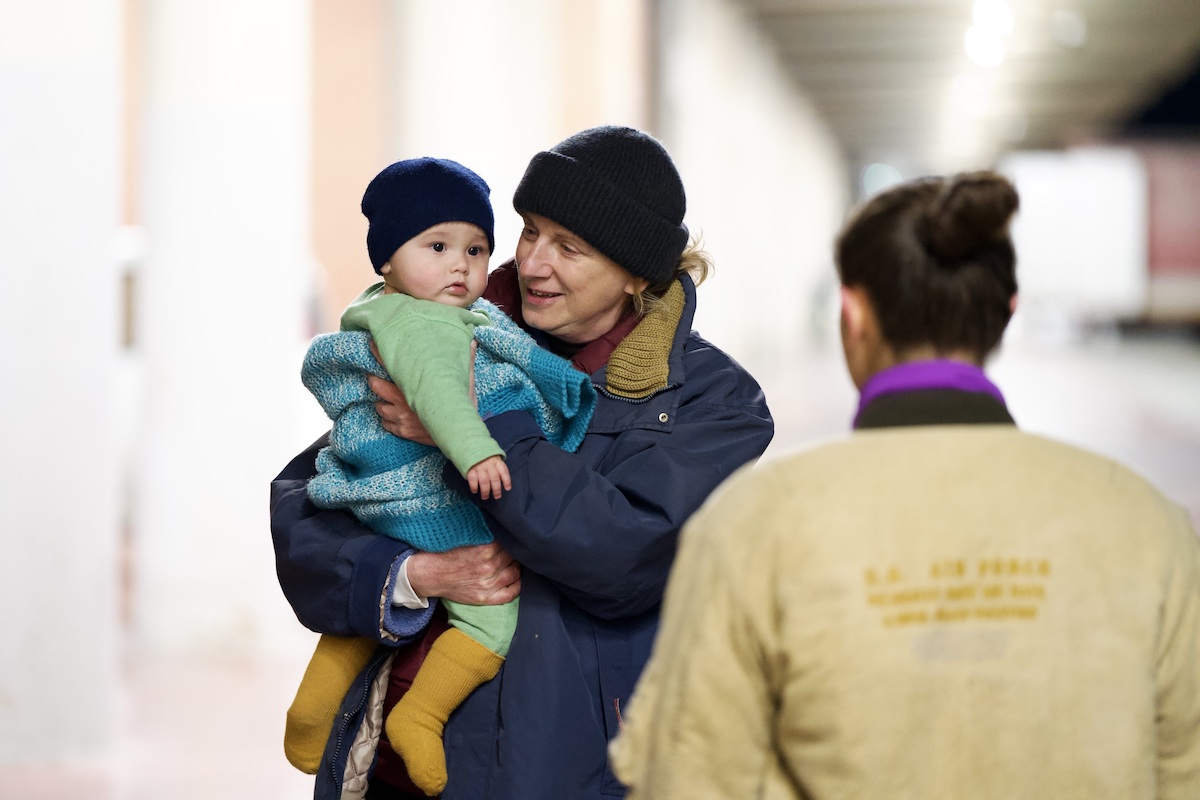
(206, 728)
(1134, 398)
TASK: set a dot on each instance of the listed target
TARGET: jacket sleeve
(336, 573)
(606, 533)
(701, 721)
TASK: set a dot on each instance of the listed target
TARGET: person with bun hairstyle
(604, 276)
(939, 605)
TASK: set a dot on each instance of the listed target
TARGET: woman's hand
(397, 416)
(480, 575)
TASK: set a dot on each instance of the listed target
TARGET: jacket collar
(641, 364)
(931, 393)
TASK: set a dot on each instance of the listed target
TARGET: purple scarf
(918, 375)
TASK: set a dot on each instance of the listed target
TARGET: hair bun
(971, 210)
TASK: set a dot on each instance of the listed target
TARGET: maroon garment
(504, 290)
(595, 354)
(389, 767)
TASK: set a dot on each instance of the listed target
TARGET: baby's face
(447, 263)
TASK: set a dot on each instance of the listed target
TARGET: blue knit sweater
(395, 485)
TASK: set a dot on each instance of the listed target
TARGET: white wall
(767, 183)
(223, 288)
(59, 101)
(526, 74)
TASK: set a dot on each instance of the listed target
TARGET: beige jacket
(1029, 628)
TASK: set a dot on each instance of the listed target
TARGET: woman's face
(569, 289)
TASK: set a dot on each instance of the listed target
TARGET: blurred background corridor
(179, 214)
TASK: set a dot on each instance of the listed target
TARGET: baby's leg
(457, 663)
(336, 663)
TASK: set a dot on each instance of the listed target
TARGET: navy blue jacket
(595, 532)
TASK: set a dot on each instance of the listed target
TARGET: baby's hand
(486, 477)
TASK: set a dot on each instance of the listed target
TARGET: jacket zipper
(368, 678)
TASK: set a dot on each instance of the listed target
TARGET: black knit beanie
(618, 189)
(410, 196)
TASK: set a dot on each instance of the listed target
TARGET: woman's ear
(854, 313)
(1012, 304)
(636, 286)
(865, 351)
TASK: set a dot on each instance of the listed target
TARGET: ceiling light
(994, 17)
(984, 48)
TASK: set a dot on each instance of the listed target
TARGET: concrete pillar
(532, 73)
(352, 43)
(222, 320)
(766, 183)
(59, 192)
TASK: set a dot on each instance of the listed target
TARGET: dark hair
(935, 257)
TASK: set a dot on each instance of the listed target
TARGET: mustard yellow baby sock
(455, 665)
(335, 664)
